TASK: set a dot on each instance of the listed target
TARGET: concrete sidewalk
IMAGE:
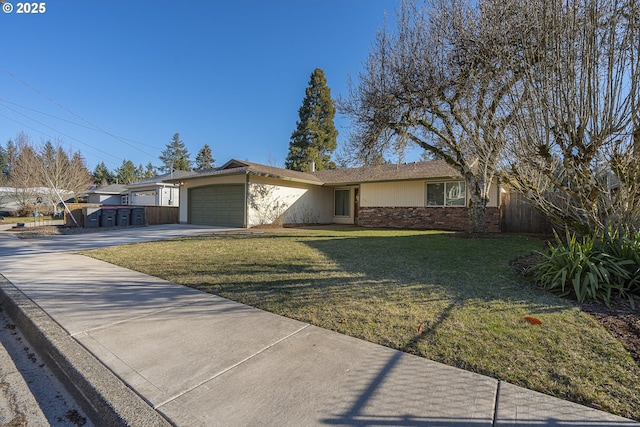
(198, 359)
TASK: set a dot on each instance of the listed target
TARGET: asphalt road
(30, 394)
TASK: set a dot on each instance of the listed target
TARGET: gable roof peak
(233, 164)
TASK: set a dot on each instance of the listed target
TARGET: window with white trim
(446, 193)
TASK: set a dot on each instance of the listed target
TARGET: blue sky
(116, 79)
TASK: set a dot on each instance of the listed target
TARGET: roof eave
(285, 178)
(151, 184)
(198, 177)
(374, 181)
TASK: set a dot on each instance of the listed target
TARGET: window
(144, 193)
(341, 202)
(435, 194)
(446, 194)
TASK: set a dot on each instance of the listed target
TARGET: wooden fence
(518, 215)
(153, 215)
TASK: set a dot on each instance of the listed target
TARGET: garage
(143, 198)
(217, 205)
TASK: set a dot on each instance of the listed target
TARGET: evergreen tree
(9, 158)
(150, 171)
(204, 159)
(4, 164)
(126, 173)
(175, 156)
(102, 176)
(315, 136)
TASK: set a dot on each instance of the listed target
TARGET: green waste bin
(108, 217)
(137, 216)
(91, 216)
(123, 217)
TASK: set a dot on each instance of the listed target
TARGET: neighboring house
(156, 191)
(111, 194)
(8, 204)
(40, 199)
(426, 195)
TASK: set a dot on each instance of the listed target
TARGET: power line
(55, 130)
(5, 101)
(94, 126)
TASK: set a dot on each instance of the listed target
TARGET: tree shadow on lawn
(464, 268)
(399, 280)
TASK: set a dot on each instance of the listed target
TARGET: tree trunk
(477, 205)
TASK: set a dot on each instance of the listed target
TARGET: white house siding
(105, 199)
(184, 190)
(494, 195)
(169, 196)
(392, 194)
(290, 202)
(407, 194)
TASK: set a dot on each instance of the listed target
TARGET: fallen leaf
(420, 329)
(533, 320)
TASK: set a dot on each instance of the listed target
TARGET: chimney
(312, 166)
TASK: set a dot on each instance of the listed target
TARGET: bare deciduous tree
(23, 174)
(442, 82)
(60, 172)
(574, 154)
(39, 172)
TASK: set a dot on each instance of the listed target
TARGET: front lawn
(25, 219)
(450, 299)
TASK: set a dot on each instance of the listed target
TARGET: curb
(105, 399)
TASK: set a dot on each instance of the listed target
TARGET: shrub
(596, 268)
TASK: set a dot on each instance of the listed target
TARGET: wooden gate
(518, 215)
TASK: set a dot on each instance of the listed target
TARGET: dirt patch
(621, 318)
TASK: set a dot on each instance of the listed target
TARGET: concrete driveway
(99, 239)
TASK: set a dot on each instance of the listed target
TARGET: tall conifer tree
(175, 156)
(204, 159)
(126, 173)
(315, 136)
(102, 176)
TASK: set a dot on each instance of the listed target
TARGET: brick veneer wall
(429, 218)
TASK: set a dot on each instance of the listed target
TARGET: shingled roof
(238, 167)
(392, 172)
(177, 174)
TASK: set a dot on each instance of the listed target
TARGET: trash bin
(108, 217)
(137, 216)
(91, 216)
(123, 217)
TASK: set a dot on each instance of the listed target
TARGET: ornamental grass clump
(593, 268)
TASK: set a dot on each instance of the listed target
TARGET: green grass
(449, 299)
